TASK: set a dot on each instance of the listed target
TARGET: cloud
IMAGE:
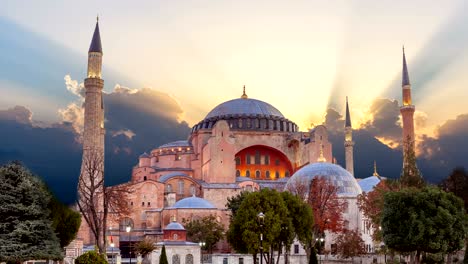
(74, 115)
(126, 132)
(18, 113)
(74, 87)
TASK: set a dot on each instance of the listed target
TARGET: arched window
(277, 162)
(175, 236)
(144, 178)
(124, 223)
(189, 259)
(267, 160)
(257, 174)
(181, 187)
(247, 173)
(247, 159)
(169, 188)
(276, 174)
(175, 259)
(237, 173)
(267, 174)
(257, 157)
(192, 189)
(286, 174)
(238, 161)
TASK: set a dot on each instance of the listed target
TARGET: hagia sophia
(243, 144)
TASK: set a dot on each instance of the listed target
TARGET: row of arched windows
(188, 259)
(258, 174)
(257, 159)
(181, 187)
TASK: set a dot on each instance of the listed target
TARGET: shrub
(91, 257)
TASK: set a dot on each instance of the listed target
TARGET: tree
(163, 257)
(91, 257)
(65, 221)
(245, 228)
(206, 229)
(327, 207)
(427, 220)
(349, 244)
(95, 201)
(145, 247)
(26, 230)
(234, 202)
(371, 204)
(410, 175)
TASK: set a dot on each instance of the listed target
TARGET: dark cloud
(384, 122)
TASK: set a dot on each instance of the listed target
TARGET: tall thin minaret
(407, 111)
(93, 135)
(349, 143)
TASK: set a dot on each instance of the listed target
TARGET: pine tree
(410, 175)
(163, 257)
(26, 230)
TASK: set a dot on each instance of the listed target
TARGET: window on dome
(247, 159)
(257, 174)
(238, 161)
(247, 173)
(257, 157)
(267, 160)
(267, 174)
(276, 174)
(277, 162)
(237, 173)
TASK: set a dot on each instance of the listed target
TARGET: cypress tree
(163, 257)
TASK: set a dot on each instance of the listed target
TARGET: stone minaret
(407, 111)
(93, 135)
(349, 143)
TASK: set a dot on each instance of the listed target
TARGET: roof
(144, 155)
(368, 184)
(174, 226)
(168, 176)
(244, 106)
(405, 76)
(179, 143)
(348, 116)
(193, 203)
(96, 42)
(346, 183)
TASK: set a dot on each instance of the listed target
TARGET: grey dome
(346, 183)
(193, 203)
(368, 184)
(174, 226)
(244, 106)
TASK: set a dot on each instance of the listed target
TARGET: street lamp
(261, 221)
(128, 229)
(112, 251)
(202, 244)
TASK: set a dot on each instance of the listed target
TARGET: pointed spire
(405, 77)
(321, 158)
(348, 116)
(96, 42)
(244, 95)
(375, 169)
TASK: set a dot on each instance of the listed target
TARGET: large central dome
(244, 106)
(247, 114)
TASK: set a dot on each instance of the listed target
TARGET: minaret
(349, 143)
(93, 135)
(407, 111)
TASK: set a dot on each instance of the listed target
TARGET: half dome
(193, 203)
(339, 177)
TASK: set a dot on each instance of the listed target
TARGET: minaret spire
(96, 41)
(405, 76)
(349, 143)
(375, 170)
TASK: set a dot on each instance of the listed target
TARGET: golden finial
(375, 169)
(321, 158)
(174, 218)
(244, 95)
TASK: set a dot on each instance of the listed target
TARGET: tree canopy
(65, 221)
(432, 221)
(26, 230)
(91, 257)
(206, 229)
(349, 244)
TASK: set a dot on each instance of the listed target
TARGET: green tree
(26, 230)
(65, 221)
(91, 257)
(163, 257)
(427, 220)
(234, 202)
(245, 228)
(410, 175)
(206, 230)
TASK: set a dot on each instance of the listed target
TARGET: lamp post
(202, 244)
(112, 251)
(261, 221)
(128, 229)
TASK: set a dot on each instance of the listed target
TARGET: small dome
(244, 106)
(174, 226)
(346, 183)
(193, 203)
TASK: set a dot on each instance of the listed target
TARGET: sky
(170, 62)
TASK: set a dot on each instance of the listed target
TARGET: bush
(91, 257)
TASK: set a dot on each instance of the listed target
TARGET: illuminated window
(267, 160)
(267, 174)
(247, 173)
(257, 174)
(247, 159)
(257, 157)
(276, 174)
(286, 174)
(238, 161)
(237, 173)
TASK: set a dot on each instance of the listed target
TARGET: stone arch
(189, 259)
(175, 259)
